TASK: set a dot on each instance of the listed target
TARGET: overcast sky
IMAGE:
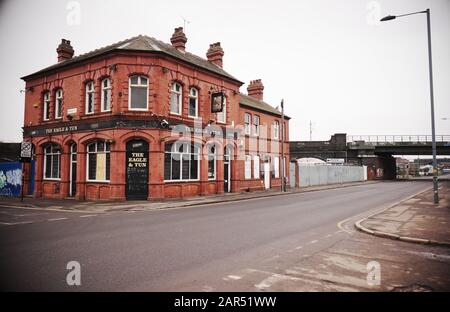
(330, 60)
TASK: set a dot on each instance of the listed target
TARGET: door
(266, 175)
(227, 169)
(73, 170)
(137, 170)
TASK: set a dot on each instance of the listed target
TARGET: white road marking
(87, 216)
(314, 241)
(298, 247)
(16, 223)
(56, 219)
(232, 277)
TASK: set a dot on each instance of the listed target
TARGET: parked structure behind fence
(310, 175)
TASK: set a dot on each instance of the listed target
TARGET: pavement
(416, 219)
(296, 242)
(70, 204)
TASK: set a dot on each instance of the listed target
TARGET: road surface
(202, 248)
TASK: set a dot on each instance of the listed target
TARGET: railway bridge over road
(374, 151)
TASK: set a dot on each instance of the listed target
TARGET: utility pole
(283, 186)
(310, 130)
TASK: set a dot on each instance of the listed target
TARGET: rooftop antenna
(185, 21)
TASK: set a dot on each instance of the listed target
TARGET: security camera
(164, 123)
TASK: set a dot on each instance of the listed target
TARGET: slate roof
(259, 105)
(141, 43)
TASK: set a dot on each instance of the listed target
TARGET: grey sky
(328, 59)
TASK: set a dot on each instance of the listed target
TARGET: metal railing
(377, 139)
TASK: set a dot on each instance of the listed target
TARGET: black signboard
(137, 170)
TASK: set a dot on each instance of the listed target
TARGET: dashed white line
(56, 219)
(87, 216)
(314, 241)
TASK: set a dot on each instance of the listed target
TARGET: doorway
(73, 170)
(227, 169)
(137, 170)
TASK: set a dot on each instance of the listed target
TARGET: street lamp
(430, 68)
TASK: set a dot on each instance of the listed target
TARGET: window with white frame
(52, 160)
(98, 161)
(222, 116)
(176, 98)
(89, 109)
(193, 102)
(256, 125)
(46, 112)
(58, 103)
(248, 167)
(212, 160)
(276, 167)
(181, 161)
(106, 95)
(138, 93)
(247, 123)
(276, 129)
(256, 167)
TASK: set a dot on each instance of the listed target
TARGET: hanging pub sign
(217, 100)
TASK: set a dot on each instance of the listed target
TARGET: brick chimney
(179, 39)
(215, 54)
(65, 50)
(256, 89)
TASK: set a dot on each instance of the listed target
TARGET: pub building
(105, 125)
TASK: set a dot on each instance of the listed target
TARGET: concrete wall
(310, 175)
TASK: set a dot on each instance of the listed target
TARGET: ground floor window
(98, 161)
(181, 161)
(256, 167)
(276, 167)
(52, 160)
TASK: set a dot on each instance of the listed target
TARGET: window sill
(181, 181)
(98, 181)
(52, 179)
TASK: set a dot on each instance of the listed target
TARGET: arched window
(212, 160)
(89, 97)
(98, 161)
(176, 98)
(193, 102)
(276, 129)
(106, 95)
(46, 106)
(58, 103)
(138, 93)
(222, 116)
(52, 160)
(181, 161)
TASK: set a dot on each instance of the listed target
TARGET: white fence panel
(310, 175)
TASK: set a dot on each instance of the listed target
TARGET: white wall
(310, 175)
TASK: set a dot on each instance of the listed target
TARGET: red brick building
(136, 120)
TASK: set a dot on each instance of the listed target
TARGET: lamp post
(430, 68)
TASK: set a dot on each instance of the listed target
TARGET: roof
(259, 105)
(141, 43)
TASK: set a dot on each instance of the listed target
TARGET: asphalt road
(195, 248)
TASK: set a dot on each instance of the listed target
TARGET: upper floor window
(256, 125)
(89, 97)
(175, 98)
(46, 112)
(138, 98)
(276, 129)
(98, 161)
(52, 159)
(247, 119)
(222, 116)
(193, 102)
(106, 95)
(58, 103)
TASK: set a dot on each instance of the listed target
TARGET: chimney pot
(65, 50)
(256, 89)
(215, 54)
(179, 39)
